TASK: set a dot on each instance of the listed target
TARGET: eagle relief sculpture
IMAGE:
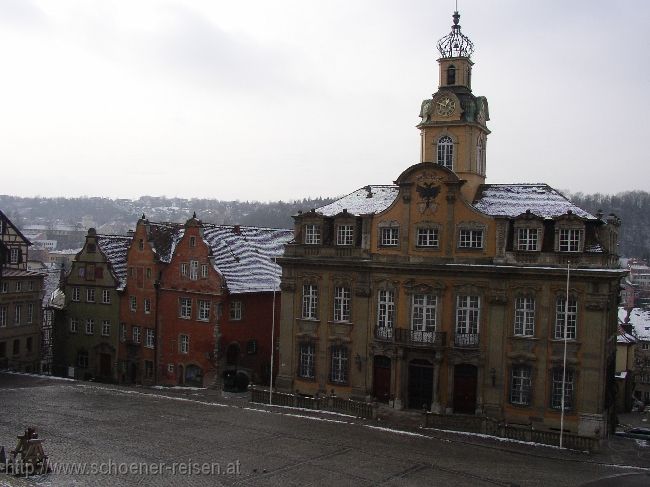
(428, 193)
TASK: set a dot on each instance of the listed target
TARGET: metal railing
(466, 340)
(359, 409)
(406, 336)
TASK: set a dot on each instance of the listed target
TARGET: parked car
(636, 433)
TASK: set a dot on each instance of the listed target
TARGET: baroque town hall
(446, 293)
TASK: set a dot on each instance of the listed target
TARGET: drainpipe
(156, 359)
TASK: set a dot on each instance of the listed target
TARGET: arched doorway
(381, 378)
(465, 381)
(420, 384)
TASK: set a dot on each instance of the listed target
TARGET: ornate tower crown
(455, 44)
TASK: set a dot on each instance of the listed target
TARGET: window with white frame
(147, 305)
(150, 338)
(135, 334)
(133, 303)
(566, 314)
(306, 365)
(312, 234)
(170, 368)
(345, 235)
(342, 303)
(339, 366)
(106, 296)
(569, 240)
(90, 294)
(389, 236)
(470, 238)
(17, 312)
(204, 310)
(183, 269)
(14, 256)
(520, 385)
(106, 328)
(446, 152)
(310, 301)
(30, 313)
(3, 316)
(76, 294)
(423, 312)
(528, 239)
(467, 314)
(557, 378)
(90, 326)
(385, 309)
(184, 344)
(123, 332)
(5, 287)
(74, 325)
(194, 270)
(204, 270)
(185, 308)
(235, 310)
(427, 237)
(525, 316)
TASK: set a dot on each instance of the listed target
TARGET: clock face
(445, 106)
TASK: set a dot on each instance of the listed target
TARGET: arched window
(446, 152)
(480, 157)
(451, 75)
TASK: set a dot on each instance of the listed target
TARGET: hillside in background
(120, 215)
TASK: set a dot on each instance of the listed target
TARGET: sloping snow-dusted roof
(164, 237)
(115, 248)
(21, 273)
(244, 256)
(623, 336)
(639, 319)
(50, 285)
(363, 201)
(511, 200)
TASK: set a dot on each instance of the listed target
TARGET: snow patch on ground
(40, 376)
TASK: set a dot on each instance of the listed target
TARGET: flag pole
(272, 350)
(566, 323)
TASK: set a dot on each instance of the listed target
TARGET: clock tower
(453, 129)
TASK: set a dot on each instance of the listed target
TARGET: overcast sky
(284, 99)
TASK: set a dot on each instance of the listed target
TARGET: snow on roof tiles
(512, 200)
(639, 319)
(363, 201)
(164, 237)
(115, 248)
(245, 257)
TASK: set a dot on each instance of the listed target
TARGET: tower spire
(455, 44)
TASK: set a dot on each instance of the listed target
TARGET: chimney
(236, 230)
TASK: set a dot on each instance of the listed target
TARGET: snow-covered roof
(21, 273)
(363, 201)
(164, 237)
(51, 285)
(115, 248)
(512, 200)
(244, 255)
(639, 319)
(623, 336)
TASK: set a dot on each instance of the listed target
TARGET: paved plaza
(140, 436)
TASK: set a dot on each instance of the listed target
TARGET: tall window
(19, 286)
(74, 325)
(344, 235)
(133, 303)
(185, 308)
(3, 316)
(312, 234)
(150, 338)
(446, 152)
(17, 312)
(235, 310)
(82, 359)
(123, 332)
(183, 269)
(204, 310)
(451, 75)
(90, 326)
(306, 367)
(76, 294)
(204, 270)
(310, 301)
(427, 237)
(467, 314)
(184, 344)
(106, 328)
(90, 294)
(520, 385)
(480, 157)
(569, 240)
(194, 270)
(423, 312)
(339, 370)
(30, 313)
(341, 304)
(527, 239)
(556, 389)
(106, 296)
(136, 334)
(14, 256)
(470, 239)
(525, 316)
(385, 309)
(147, 305)
(571, 316)
(389, 236)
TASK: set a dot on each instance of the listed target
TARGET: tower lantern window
(451, 75)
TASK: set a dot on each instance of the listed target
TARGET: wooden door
(465, 381)
(420, 384)
(105, 364)
(381, 378)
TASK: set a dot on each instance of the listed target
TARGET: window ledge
(524, 337)
(347, 323)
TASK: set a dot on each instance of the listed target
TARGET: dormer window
(569, 240)
(446, 152)
(528, 239)
(312, 234)
(345, 235)
(451, 75)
